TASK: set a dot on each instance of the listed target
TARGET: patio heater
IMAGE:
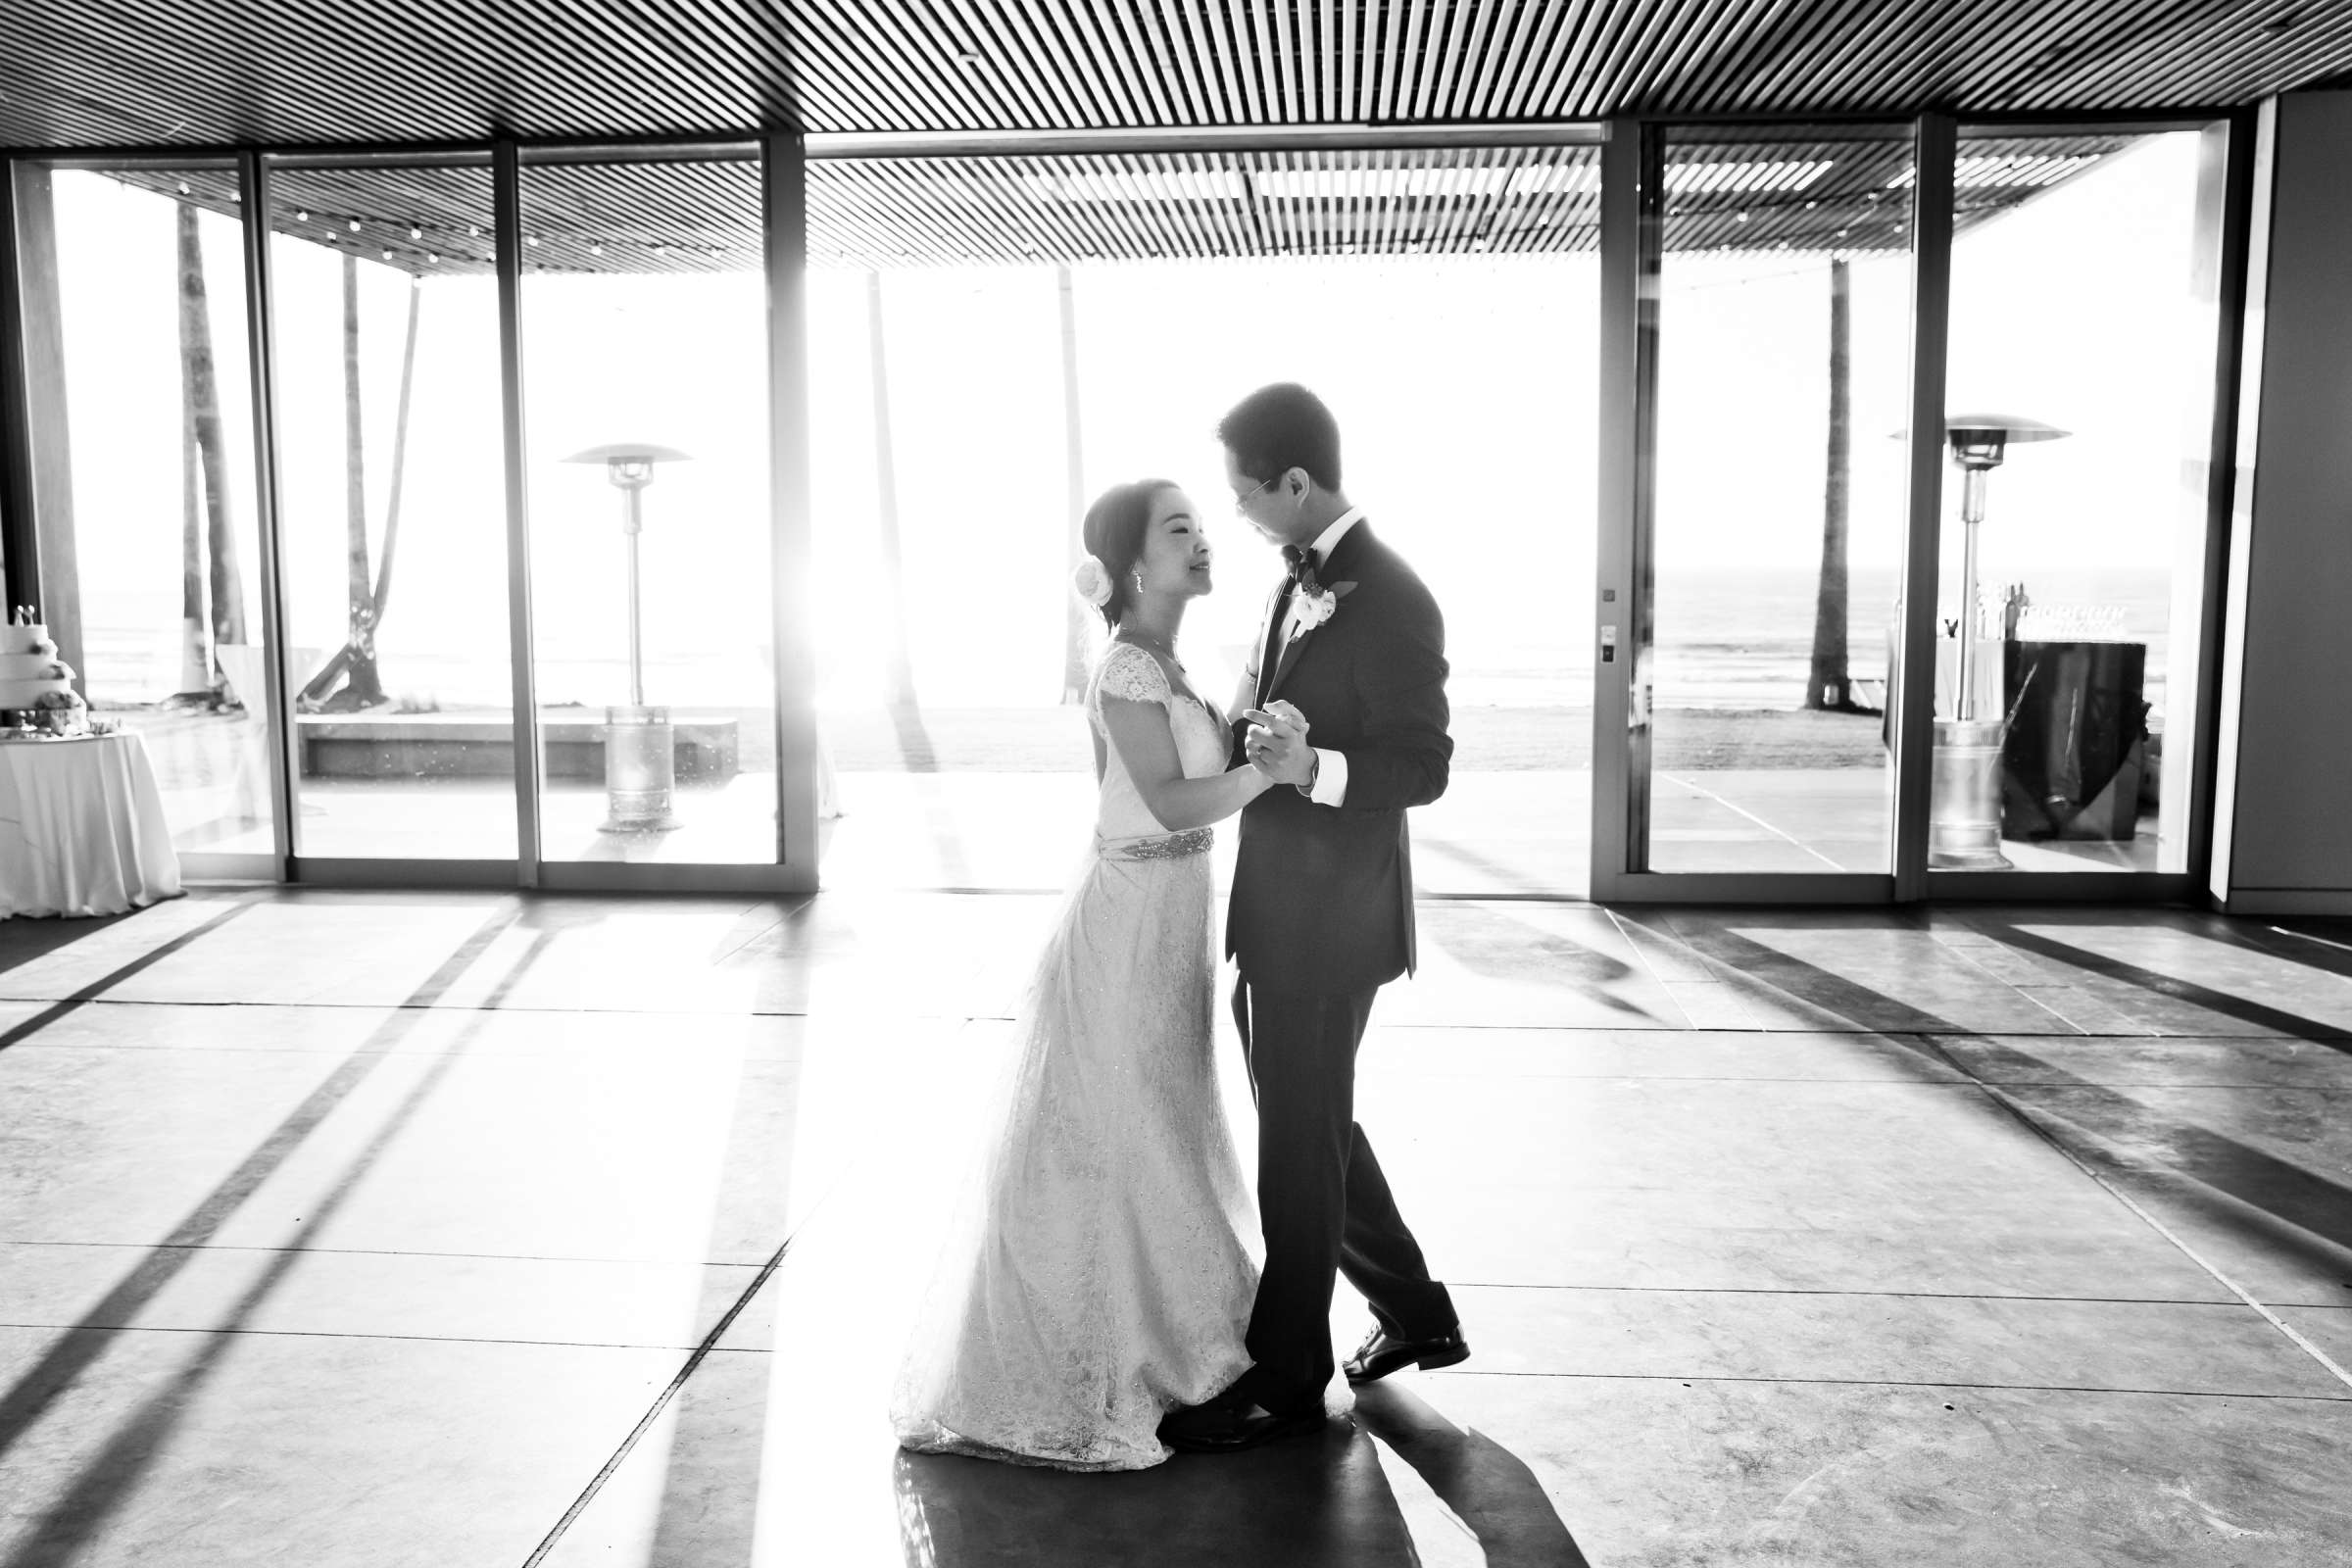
(640, 747)
(1964, 810)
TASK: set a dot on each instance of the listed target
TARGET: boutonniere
(1318, 603)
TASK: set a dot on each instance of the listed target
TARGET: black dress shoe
(1383, 1353)
(1229, 1428)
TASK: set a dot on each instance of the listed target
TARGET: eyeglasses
(1241, 503)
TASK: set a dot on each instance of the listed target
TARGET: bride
(1097, 1276)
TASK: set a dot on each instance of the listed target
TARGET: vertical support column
(784, 189)
(2225, 219)
(20, 556)
(2283, 841)
(2258, 149)
(1935, 143)
(1622, 459)
(506, 175)
(41, 541)
(1076, 634)
(261, 341)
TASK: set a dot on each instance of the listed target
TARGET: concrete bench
(426, 745)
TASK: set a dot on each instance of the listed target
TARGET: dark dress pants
(1322, 1199)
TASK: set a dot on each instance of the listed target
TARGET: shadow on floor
(1299, 1504)
(1305, 1503)
(105, 1480)
(48, 936)
(35, 936)
(2271, 1020)
(2098, 1127)
(2313, 944)
(1495, 944)
(1490, 1491)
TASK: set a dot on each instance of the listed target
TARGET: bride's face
(1176, 554)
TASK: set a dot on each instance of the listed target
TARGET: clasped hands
(1276, 743)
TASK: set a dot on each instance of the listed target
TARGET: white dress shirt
(1331, 768)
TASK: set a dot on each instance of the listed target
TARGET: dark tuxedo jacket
(1323, 895)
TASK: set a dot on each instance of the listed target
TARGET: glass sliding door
(995, 338)
(645, 385)
(1774, 307)
(948, 657)
(2080, 387)
(1004, 338)
(391, 511)
(150, 550)
(1766, 600)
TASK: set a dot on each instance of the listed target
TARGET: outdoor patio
(973, 802)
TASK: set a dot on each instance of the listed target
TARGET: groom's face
(1263, 503)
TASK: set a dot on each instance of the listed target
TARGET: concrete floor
(345, 1229)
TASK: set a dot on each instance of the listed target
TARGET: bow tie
(1302, 563)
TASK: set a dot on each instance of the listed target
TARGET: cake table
(81, 827)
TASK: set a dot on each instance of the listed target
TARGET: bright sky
(1465, 388)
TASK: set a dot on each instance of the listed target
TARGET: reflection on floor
(463, 1229)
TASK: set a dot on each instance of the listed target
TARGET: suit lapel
(1282, 669)
(1271, 650)
(1330, 571)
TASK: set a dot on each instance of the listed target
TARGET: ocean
(1745, 638)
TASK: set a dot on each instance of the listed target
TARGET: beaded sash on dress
(1156, 847)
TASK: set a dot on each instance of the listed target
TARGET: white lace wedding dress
(1095, 1274)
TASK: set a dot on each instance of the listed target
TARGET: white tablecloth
(82, 828)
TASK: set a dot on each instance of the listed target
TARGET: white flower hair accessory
(1092, 581)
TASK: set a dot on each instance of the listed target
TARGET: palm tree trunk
(355, 662)
(899, 671)
(1832, 685)
(1074, 637)
(204, 406)
(399, 453)
(195, 657)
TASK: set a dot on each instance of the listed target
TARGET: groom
(1322, 916)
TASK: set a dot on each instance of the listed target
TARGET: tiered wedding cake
(34, 683)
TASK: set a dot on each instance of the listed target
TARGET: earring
(1138, 584)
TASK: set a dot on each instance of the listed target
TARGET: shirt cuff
(1331, 778)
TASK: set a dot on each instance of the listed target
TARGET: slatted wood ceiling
(93, 74)
(113, 73)
(1792, 192)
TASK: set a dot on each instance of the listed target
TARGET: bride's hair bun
(1092, 581)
